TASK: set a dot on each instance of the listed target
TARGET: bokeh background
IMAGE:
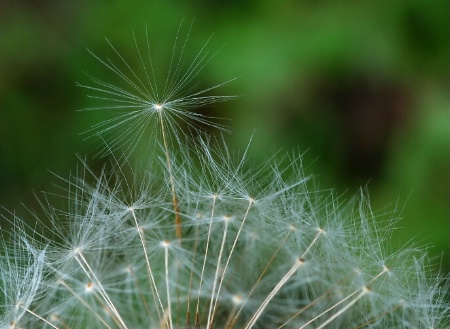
(360, 87)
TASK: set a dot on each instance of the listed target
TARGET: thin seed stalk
(175, 203)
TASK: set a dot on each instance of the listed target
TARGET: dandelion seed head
(235, 256)
(166, 244)
(89, 287)
(199, 216)
(227, 218)
(54, 317)
(77, 251)
(238, 299)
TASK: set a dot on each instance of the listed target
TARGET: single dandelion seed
(143, 102)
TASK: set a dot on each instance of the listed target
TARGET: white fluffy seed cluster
(198, 240)
(258, 250)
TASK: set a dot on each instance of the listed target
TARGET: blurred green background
(360, 87)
